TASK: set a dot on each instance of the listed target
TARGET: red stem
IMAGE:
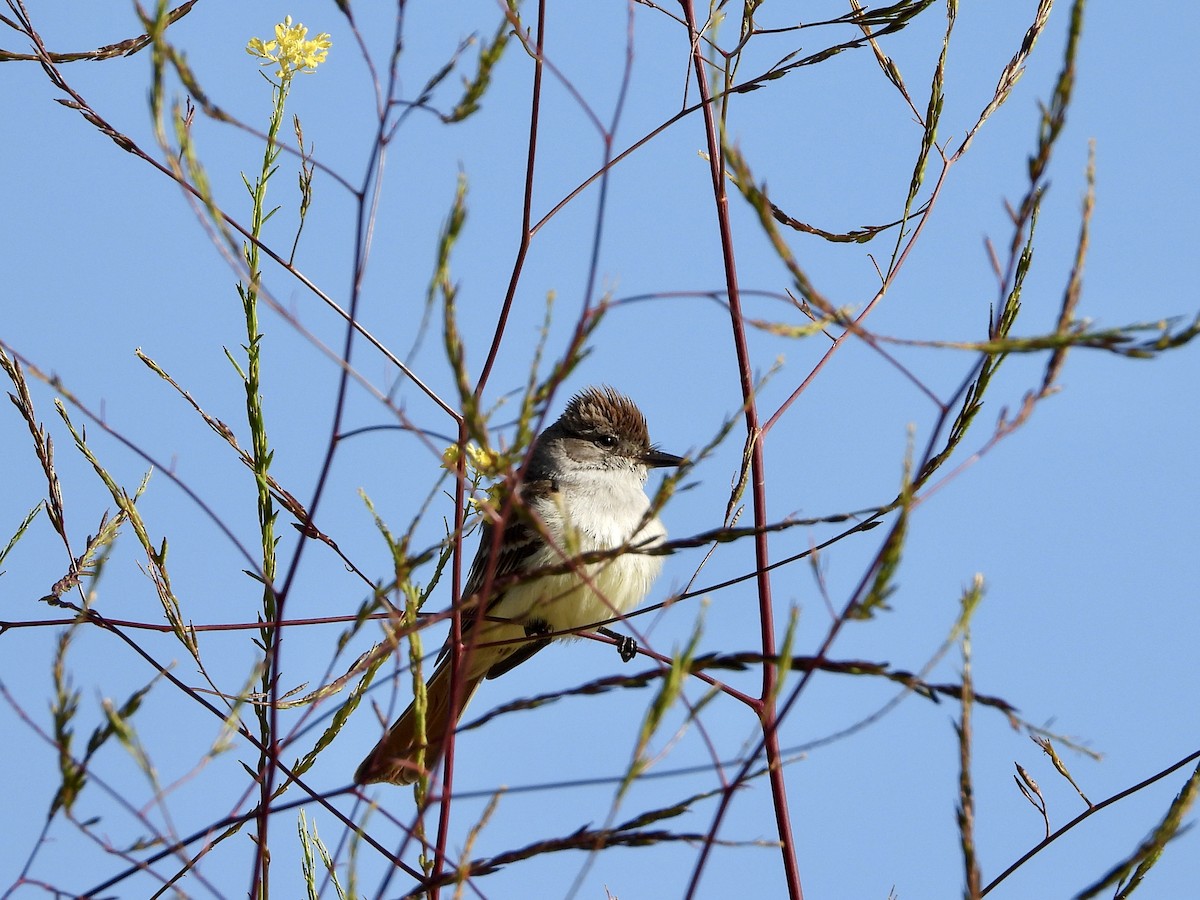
(456, 660)
(527, 210)
(766, 705)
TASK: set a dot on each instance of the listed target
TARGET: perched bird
(582, 491)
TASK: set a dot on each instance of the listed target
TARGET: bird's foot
(626, 646)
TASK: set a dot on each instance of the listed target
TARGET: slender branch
(715, 142)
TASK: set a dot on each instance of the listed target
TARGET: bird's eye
(607, 441)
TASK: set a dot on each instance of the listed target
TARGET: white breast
(597, 510)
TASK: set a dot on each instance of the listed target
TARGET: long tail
(394, 758)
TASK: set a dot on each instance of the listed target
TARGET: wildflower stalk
(291, 53)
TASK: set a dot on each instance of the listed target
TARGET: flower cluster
(291, 50)
(486, 462)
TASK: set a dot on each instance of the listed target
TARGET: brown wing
(394, 757)
(520, 542)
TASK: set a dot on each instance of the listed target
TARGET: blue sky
(1081, 522)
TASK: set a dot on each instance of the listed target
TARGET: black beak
(656, 459)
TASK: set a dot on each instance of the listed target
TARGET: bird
(583, 490)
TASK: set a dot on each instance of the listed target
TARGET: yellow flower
(291, 50)
(483, 461)
(491, 500)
